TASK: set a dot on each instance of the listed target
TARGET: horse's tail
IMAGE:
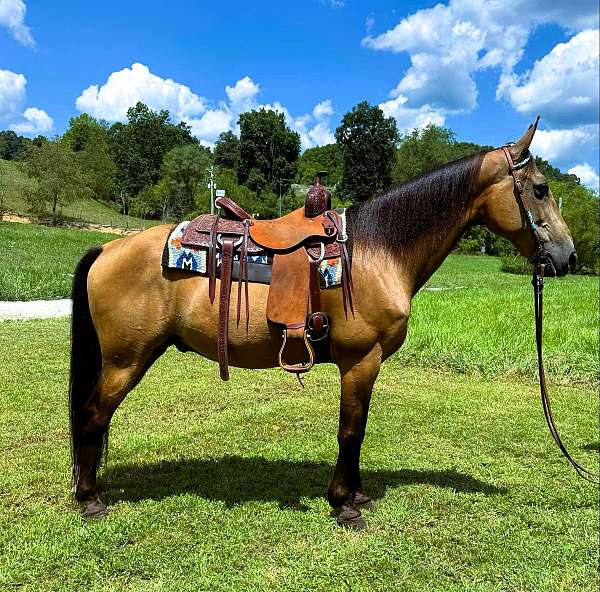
(86, 359)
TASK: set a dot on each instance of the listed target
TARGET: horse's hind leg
(345, 490)
(113, 385)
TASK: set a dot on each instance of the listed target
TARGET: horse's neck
(420, 261)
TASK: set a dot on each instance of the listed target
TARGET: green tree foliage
(367, 141)
(139, 147)
(580, 212)
(322, 158)
(58, 175)
(12, 146)
(89, 139)
(227, 151)
(183, 169)
(269, 151)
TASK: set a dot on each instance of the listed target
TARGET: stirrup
(301, 367)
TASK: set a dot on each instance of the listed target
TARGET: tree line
(151, 167)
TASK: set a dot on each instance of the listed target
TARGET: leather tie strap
(225, 291)
(243, 276)
(212, 260)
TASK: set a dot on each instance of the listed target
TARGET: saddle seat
(297, 243)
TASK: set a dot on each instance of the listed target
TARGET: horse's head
(505, 215)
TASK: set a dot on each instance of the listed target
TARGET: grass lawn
(37, 262)
(216, 486)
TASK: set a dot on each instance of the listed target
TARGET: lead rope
(538, 300)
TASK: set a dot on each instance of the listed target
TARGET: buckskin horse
(127, 309)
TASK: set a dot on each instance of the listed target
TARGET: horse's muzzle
(559, 260)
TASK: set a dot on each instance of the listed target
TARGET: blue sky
(484, 69)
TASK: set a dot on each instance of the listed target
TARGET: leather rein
(538, 291)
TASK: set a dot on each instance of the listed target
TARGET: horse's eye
(541, 190)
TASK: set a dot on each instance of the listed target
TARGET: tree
(89, 138)
(12, 147)
(227, 151)
(59, 177)
(183, 169)
(269, 151)
(322, 158)
(367, 140)
(580, 212)
(139, 147)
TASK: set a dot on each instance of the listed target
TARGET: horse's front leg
(345, 492)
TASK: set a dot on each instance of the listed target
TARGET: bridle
(538, 288)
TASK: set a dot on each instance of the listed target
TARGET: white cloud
(36, 121)
(12, 93)
(208, 127)
(242, 95)
(409, 118)
(587, 175)
(125, 88)
(448, 44)
(12, 16)
(563, 85)
(564, 146)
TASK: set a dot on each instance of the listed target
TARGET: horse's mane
(429, 204)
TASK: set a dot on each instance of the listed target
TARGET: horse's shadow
(236, 479)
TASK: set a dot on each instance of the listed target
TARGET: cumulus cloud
(408, 118)
(12, 93)
(125, 88)
(563, 85)
(242, 95)
(12, 16)
(35, 121)
(587, 175)
(562, 146)
(448, 44)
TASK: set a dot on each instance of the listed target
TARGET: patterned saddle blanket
(195, 261)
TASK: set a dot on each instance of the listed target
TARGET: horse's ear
(520, 147)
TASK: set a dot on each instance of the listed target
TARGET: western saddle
(297, 243)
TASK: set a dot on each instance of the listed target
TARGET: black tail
(86, 360)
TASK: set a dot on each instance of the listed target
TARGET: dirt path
(19, 219)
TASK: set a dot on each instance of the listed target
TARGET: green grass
(473, 318)
(37, 262)
(85, 210)
(220, 486)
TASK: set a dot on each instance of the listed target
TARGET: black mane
(430, 204)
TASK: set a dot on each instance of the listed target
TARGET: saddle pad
(193, 260)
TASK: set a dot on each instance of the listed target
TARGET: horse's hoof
(350, 518)
(364, 502)
(95, 509)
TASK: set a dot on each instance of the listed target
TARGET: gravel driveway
(35, 309)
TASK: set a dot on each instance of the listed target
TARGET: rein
(538, 301)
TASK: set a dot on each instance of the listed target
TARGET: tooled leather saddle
(297, 243)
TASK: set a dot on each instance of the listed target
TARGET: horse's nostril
(572, 261)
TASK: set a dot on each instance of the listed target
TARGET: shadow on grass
(236, 479)
(593, 446)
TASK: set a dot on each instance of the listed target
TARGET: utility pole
(211, 185)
